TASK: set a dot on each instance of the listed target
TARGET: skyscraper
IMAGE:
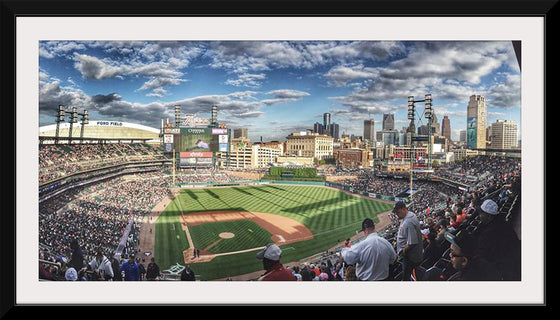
(369, 130)
(388, 122)
(326, 120)
(334, 130)
(435, 124)
(476, 122)
(504, 134)
(463, 135)
(446, 127)
(318, 127)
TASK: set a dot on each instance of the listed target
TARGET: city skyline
(273, 88)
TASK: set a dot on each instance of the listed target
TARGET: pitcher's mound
(226, 235)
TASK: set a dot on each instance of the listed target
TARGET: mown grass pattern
(248, 235)
(331, 215)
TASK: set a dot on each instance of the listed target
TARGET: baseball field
(229, 225)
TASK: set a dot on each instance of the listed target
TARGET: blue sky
(274, 88)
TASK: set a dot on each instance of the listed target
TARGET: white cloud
(506, 93)
(51, 49)
(157, 83)
(447, 70)
(93, 68)
(341, 75)
(253, 56)
(247, 80)
(288, 94)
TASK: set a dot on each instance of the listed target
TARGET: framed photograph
(101, 96)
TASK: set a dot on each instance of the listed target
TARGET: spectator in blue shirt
(131, 270)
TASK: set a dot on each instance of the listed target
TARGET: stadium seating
(491, 173)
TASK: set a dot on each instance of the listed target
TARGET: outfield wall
(290, 182)
(366, 194)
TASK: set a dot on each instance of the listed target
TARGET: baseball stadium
(169, 202)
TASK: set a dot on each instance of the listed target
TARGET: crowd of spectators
(445, 212)
(202, 176)
(478, 169)
(100, 215)
(57, 161)
(367, 181)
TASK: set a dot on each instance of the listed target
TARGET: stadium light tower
(411, 118)
(214, 120)
(177, 116)
(429, 114)
(73, 119)
(85, 120)
(61, 114)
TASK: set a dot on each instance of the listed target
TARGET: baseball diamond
(309, 219)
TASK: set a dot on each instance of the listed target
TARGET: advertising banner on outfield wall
(196, 154)
(204, 160)
(187, 161)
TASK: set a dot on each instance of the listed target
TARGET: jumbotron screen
(199, 140)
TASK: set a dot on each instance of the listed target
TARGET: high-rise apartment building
(446, 128)
(504, 134)
(476, 122)
(369, 130)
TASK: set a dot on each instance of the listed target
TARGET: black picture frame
(11, 10)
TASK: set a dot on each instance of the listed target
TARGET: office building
(304, 144)
(446, 128)
(240, 133)
(504, 134)
(476, 122)
(369, 130)
(388, 122)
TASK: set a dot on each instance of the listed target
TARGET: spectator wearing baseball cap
(275, 271)
(469, 266)
(409, 240)
(498, 243)
(372, 256)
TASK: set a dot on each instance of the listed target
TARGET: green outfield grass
(247, 235)
(331, 215)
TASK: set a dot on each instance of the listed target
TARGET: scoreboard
(195, 146)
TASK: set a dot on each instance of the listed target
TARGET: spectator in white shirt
(372, 256)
